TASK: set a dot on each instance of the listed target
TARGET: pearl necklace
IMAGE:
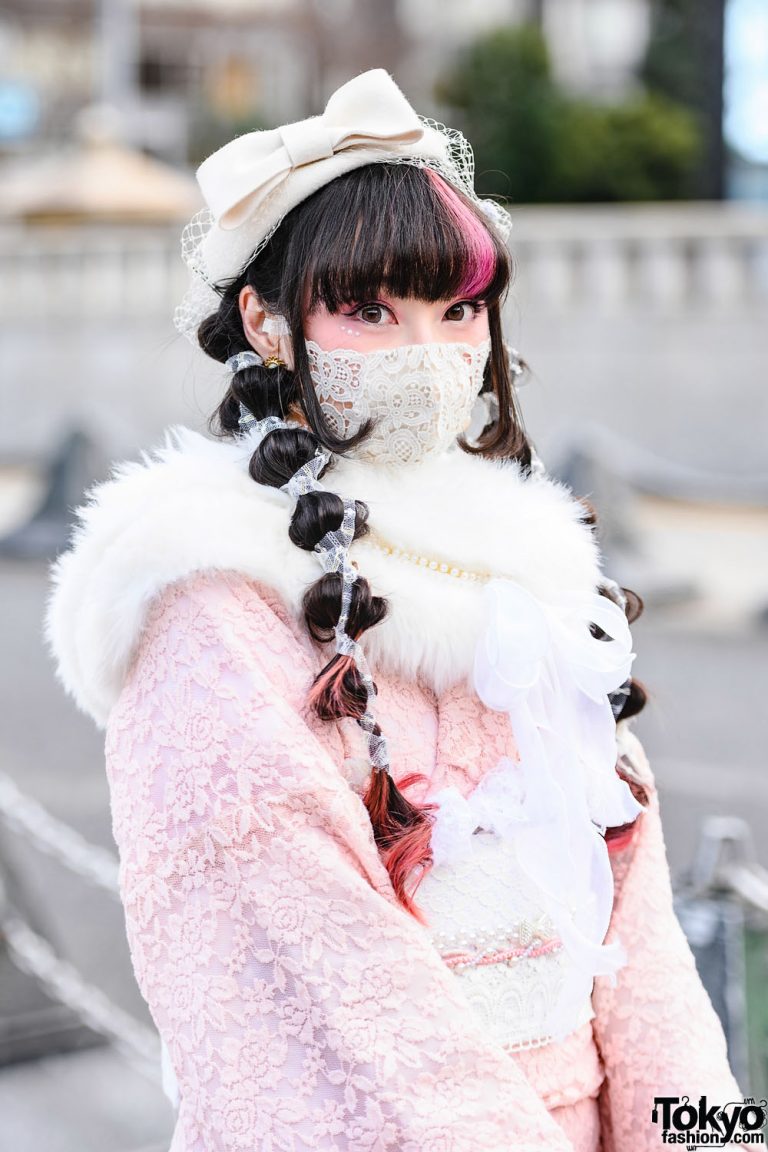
(446, 567)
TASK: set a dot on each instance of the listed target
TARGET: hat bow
(368, 112)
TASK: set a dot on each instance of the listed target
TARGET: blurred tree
(534, 144)
(645, 149)
(503, 86)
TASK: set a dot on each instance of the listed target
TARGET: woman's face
(393, 321)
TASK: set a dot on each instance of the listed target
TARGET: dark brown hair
(380, 228)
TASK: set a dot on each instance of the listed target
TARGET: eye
(371, 313)
(464, 310)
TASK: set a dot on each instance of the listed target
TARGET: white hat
(252, 182)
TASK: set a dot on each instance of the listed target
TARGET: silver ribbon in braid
(332, 551)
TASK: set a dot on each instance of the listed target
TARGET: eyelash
(477, 307)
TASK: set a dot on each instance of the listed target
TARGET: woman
(393, 876)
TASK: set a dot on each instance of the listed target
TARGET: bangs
(401, 230)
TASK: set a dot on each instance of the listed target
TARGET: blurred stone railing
(616, 257)
(649, 320)
(89, 271)
(609, 257)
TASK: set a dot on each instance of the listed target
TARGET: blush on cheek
(333, 330)
(326, 328)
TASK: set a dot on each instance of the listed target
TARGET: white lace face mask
(420, 395)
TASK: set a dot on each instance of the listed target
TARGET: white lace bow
(541, 665)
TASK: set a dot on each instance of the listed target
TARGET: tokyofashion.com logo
(710, 1125)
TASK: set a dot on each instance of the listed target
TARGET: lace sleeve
(657, 1030)
(301, 1006)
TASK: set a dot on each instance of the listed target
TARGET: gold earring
(274, 362)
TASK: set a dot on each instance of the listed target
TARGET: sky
(745, 121)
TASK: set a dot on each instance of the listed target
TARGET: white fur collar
(191, 505)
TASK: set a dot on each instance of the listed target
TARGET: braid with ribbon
(345, 686)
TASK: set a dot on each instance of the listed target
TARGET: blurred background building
(630, 140)
(185, 73)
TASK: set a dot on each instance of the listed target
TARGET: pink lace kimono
(301, 1006)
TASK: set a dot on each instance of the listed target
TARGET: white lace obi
(488, 923)
(520, 893)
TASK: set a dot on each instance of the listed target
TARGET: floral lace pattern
(658, 1010)
(420, 395)
(302, 1008)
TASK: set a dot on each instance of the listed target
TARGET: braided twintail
(402, 830)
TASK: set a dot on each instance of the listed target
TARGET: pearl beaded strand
(447, 568)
